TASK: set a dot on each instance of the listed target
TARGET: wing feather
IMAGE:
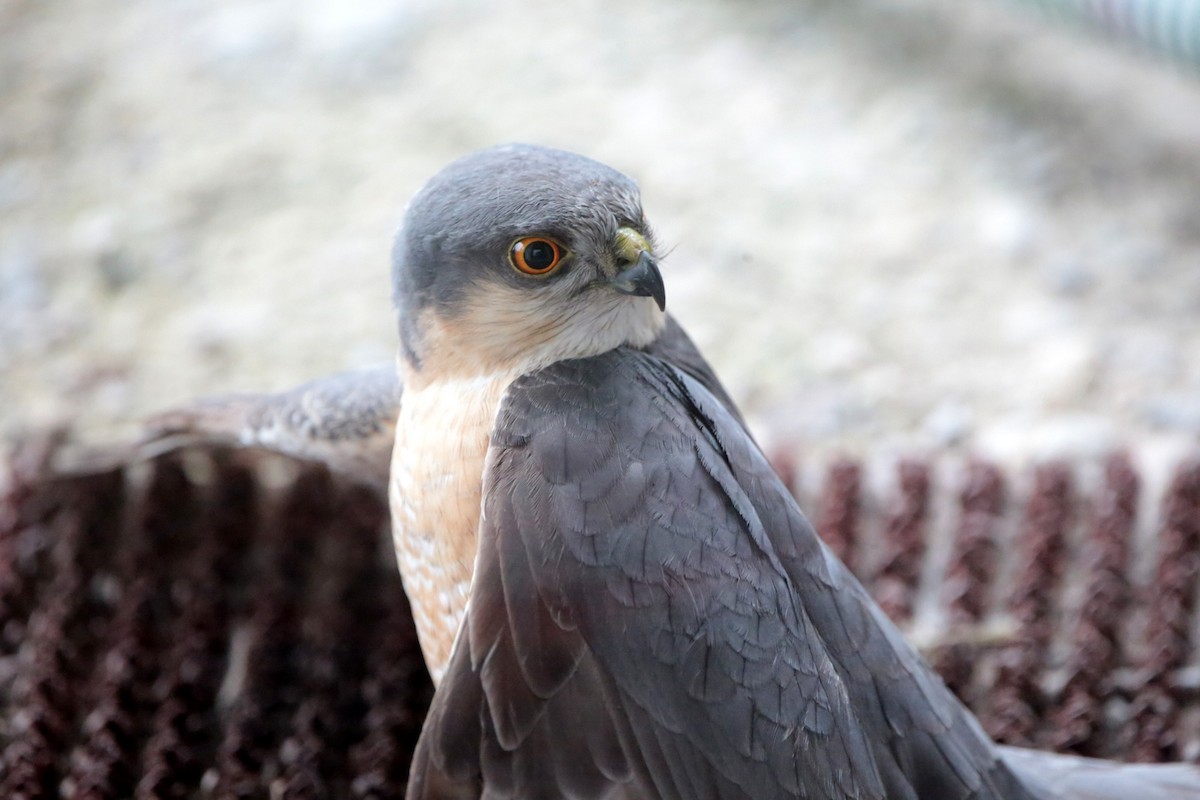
(651, 616)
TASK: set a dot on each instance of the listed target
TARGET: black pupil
(539, 255)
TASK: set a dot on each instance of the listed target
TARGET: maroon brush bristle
(1154, 715)
(248, 757)
(1096, 650)
(62, 638)
(104, 765)
(896, 582)
(1041, 549)
(974, 558)
(971, 571)
(24, 543)
(39, 727)
(24, 549)
(1012, 714)
(397, 691)
(1017, 701)
(1156, 705)
(184, 728)
(840, 506)
(327, 722)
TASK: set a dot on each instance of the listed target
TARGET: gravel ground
(895, 225)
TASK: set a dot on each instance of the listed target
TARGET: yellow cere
(630, 244)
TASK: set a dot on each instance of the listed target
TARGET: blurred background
(892, 224)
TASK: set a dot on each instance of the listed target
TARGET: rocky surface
(896, 226)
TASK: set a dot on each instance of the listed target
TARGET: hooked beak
(642, 280)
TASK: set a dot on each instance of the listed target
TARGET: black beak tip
(643, 280)
(659, 294)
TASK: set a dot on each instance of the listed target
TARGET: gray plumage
(347, 420)
(651, 615)
(651, 607)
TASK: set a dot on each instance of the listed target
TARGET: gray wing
(347, 420)
(676, 348)
(652, 616)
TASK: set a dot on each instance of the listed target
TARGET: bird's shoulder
(652, 528)
(618, 387)
(618, 548)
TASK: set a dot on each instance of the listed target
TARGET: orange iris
(536, 255)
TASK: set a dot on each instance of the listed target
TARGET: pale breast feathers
(442, 436)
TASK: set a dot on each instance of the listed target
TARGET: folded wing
(652, 616)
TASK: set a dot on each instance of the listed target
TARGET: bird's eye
(536, 255)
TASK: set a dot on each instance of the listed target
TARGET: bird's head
(517, 256)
